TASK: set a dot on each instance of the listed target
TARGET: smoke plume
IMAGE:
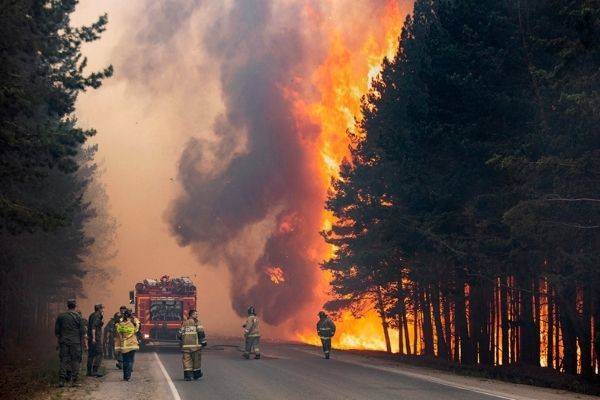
(250, 193)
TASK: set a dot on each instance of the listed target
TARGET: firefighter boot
(327, 356)
(197, 374)
(257, 357)
(187, 375)
(246, 356)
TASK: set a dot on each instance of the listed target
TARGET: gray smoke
(255, 176)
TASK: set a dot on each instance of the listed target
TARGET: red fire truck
(160, 305)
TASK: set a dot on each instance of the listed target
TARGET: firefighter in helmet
(70, 333)
(251, 334)
(325, 330)
(193, 338)
(95, 348)
(126, 341)
(118, 317)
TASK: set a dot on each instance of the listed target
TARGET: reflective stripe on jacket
(325, 328)
(126, 339)
(251, 327)
(191, 330)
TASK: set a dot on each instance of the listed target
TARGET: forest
(468, 214)
(53, 229)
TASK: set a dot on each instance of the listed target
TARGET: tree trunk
(467, 354)
(550, 333)
(384, 322)
(447, 325)
(504, 321)
(568, 300)
(427, 327)
(437, 318)
(528, 341)
(585, 342)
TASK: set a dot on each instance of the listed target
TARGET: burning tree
(470, 196)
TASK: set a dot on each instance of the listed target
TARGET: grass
(22, 378)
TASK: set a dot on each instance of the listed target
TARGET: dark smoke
(259, 169)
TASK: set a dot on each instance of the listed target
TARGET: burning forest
(292, 79)
(424, 171)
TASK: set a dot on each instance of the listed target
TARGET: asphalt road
(296, 372)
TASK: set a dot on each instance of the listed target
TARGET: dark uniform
(70, 332)
(325, 330)
(109, 337)
(95, 324)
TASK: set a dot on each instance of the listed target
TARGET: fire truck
(161, 305)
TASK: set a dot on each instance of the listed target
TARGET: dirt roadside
(147, 383)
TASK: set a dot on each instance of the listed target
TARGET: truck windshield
(166, 310)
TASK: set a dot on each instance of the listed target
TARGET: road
(298, 372)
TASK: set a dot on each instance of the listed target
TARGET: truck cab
(161, 306)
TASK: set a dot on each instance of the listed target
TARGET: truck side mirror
(131, 297)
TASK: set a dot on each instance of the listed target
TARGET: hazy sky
(202, 69)
(142, 128)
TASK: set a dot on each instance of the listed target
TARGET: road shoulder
(499, 389)
(147, 383)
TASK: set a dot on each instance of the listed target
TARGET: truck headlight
(146, 336)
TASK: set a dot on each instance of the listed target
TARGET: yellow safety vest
(126, 333)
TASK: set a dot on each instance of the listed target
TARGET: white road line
(427, 378)
(174, 391)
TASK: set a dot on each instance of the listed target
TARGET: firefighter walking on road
(126, 342)
(193, 338)
(251, 334)
(118, 318)
(95, 348)
(70, 333)
(325, 330)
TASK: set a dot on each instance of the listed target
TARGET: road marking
(172, 387)
(426, 378)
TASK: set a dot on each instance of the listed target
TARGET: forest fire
(342, 79)
(276, 275)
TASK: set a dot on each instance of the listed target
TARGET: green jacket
(69, 328)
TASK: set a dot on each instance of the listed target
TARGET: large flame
(342, 79)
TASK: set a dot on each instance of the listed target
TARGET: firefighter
(192, 338)
(251, 334)
(109, 336)
(325, 330)
(70, 333)
(95, 323)
(118, 355)
(126, 341)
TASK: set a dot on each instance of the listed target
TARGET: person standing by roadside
(118, 319)
(251, 334)
(127, 341)
(325, 330)
(70, 333)
(109, 336)
(95, 323)
(193, 338)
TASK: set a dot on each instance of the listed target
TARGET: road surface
(299, 372)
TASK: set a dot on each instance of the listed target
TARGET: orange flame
(275, 275)
(351, 63)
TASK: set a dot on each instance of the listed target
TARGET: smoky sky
(256, 167)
